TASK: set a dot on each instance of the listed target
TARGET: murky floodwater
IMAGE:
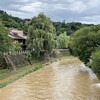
(67, 79)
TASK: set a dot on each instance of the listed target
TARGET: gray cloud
(86, 11)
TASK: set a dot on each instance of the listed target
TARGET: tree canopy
(10, 21)
(62, 41)
(96, 61)
(41, 34)
(69, 28)
(5, 41)
(85, 41)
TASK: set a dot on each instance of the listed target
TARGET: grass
(3, 74)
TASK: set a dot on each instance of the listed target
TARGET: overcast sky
(86, 11)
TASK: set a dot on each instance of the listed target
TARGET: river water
(67, 79)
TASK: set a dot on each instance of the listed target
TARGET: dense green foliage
(96, 62)
(61, 27)
(69, 28)
(25, 27)
(11, 22)
(16, 46)
(62, 41)
(41, 34)
(85, 41)
(44, 35)
(5, 41)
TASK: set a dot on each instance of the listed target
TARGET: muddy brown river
(67, 79)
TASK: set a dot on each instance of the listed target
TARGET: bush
(84, 42)
(2, 62)
(29, 56)
(62, 41)
(95, 65)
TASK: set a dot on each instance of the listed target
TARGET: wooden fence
(16, 52)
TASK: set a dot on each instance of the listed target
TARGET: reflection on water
(63, 80)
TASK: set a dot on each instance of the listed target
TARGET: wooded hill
(69, 28)
(11, 22)
(14, 22)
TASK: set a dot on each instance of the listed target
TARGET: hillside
(11, 22)
(14, 22)
(69, 28)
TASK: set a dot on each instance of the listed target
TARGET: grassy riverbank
(8, 76)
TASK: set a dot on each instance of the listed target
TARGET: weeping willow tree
(41, 34)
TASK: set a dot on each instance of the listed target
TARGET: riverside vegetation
(82, 40)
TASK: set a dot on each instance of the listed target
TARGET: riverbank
(8, 76)
(64, 79)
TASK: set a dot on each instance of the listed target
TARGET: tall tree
(41, 34)
(5, 41)
(85, 41)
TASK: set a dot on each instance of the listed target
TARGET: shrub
(95, 65)
(84, 42)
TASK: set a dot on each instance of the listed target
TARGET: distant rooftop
(17, 34)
